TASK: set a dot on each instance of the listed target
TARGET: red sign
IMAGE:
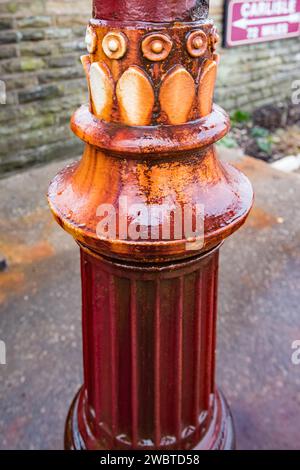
(252, 21)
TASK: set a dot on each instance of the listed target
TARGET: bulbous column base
(219, 435)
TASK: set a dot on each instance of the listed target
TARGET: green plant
(228, 142)
(239, 117)
(263, 139)
(264, 144)
(259, 132)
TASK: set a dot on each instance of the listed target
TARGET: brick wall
(40, 45)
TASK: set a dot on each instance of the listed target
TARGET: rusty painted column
(149, 300)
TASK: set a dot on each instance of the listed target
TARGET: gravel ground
(258, 314)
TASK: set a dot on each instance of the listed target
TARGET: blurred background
(40, 45)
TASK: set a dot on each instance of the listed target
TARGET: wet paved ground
(259, 315)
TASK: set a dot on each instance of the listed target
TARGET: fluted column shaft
(149, 348)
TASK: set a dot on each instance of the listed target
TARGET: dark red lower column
(149, 357)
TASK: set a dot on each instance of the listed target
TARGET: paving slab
(259, 314)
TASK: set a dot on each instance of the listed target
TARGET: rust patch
(26, 254)
(10, 282)
(23, 245)
(17, 278)
(259, 218)
(15, 430)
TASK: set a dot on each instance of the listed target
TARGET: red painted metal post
(149, 302)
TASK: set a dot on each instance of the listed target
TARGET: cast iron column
(149, 302)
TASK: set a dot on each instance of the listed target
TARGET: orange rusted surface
(177, 94)
(156, 47)
(114, 45)
(149, 165)
(102, 89)
(136, 97)
(206, 87)
(101, 179)
(155, 50)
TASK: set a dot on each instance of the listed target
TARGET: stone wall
(254, 75)
(40, 45)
